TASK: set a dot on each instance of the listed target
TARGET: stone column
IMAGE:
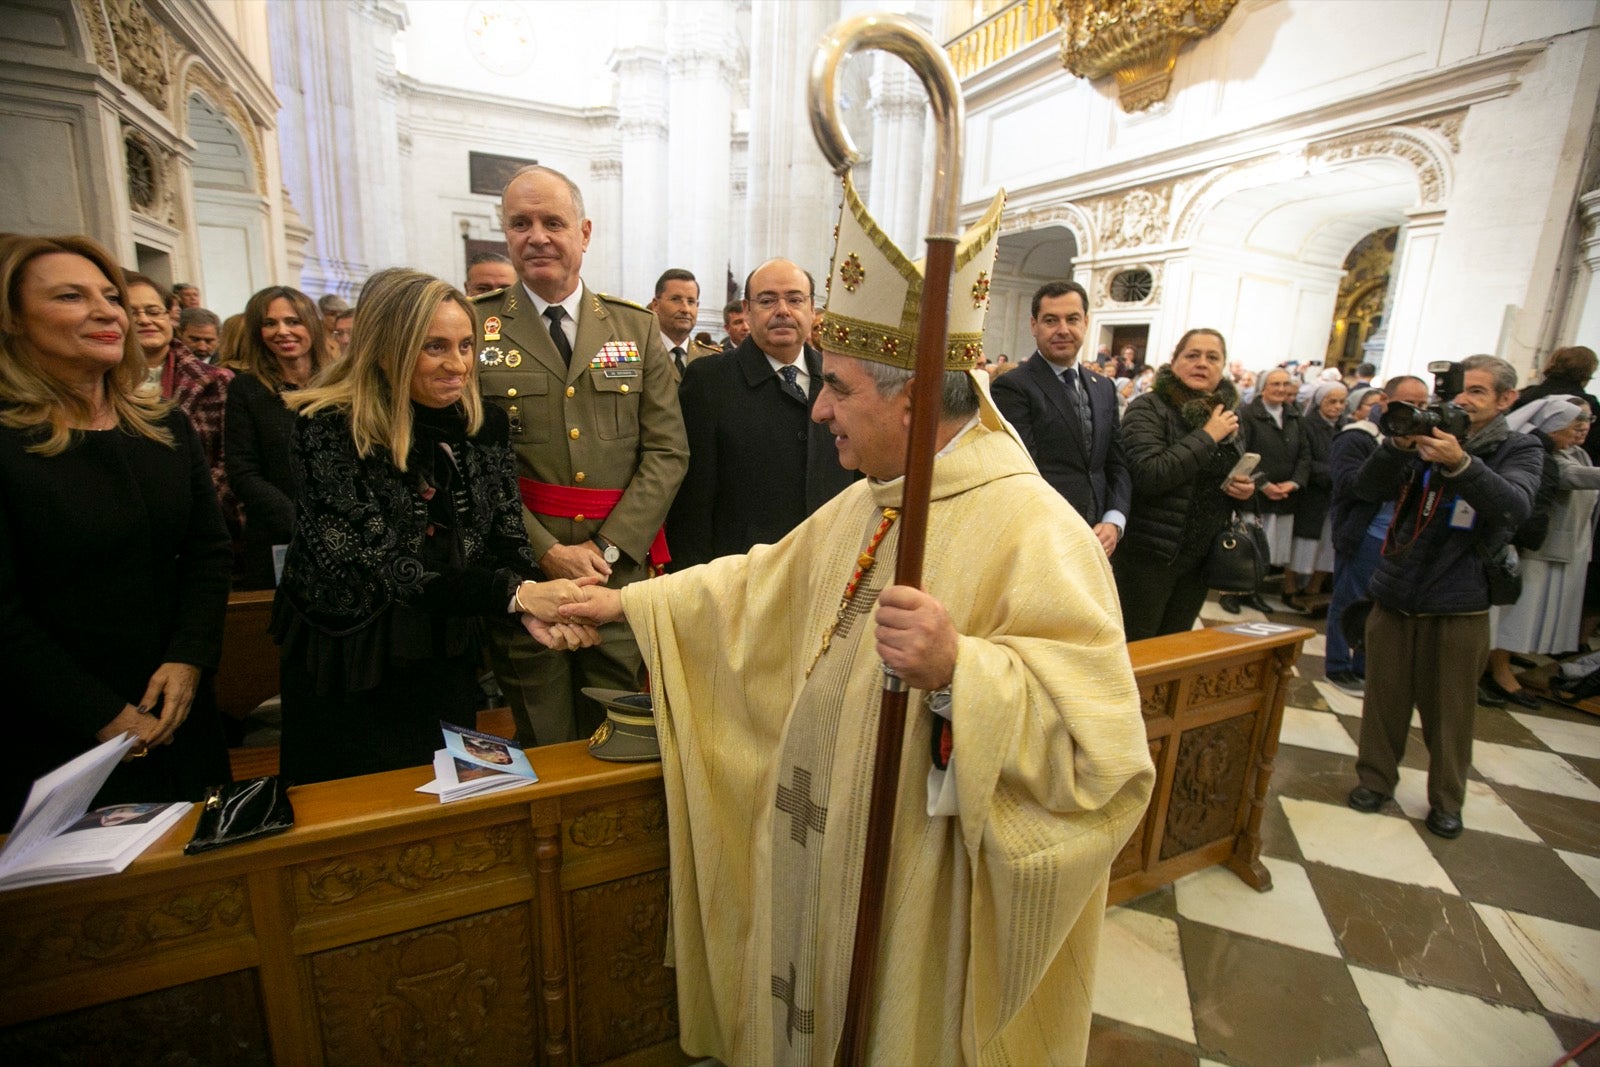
(1584, 313)
(1413, 272)
(792, 194)
(602, 197)
(702, 62)
(900, 114)
(642, 125)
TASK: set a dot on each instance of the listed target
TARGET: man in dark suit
(1067, 414)
(758, 465)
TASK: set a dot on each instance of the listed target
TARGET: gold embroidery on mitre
(876, 318)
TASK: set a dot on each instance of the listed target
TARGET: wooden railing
(1001, 34)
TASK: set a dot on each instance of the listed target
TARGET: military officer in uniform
(592, 400)
(676, 305)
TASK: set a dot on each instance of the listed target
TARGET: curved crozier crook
(901, 37)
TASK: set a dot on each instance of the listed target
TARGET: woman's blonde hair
(254, 357)
(373, 382)
(36, 399)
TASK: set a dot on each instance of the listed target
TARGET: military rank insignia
(513, 359)
(617, 359)
(491, 356)
(491, 328)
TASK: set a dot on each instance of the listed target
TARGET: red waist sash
(569, 501)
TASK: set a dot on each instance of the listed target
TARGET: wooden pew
(525, 926)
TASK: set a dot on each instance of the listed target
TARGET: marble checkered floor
(1379, 943)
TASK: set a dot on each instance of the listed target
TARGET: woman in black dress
(113, 556)
(280, 349)
(408, 538)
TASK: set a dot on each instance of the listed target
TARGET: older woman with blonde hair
(113, 556)
(281, 348)
(408, 539)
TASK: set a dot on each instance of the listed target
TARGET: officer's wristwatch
(608, 551)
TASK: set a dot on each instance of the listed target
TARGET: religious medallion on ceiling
(1136, 41)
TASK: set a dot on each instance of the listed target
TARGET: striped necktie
(1073, 379)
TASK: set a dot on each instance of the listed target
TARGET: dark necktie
(554, 313)
(677, 357)
(1080, 400)
(791, 383)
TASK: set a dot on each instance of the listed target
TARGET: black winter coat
(1316, 493)
(1352, 447)
(1178, 503)
(1285, 456)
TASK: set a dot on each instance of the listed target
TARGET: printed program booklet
(57, 838)
(472, 763)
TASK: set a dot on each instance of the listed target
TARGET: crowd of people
(529, 474)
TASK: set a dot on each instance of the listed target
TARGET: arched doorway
(1026, 260)
(230, 214)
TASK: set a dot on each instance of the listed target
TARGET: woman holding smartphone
(1182, 444)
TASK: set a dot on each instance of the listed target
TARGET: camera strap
(1427, 508)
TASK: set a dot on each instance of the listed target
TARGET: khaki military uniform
(609, 421)
(692, 350)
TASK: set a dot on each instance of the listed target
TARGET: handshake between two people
(540, 605)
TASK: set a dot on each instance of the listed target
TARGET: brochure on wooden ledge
(473, 763)
(57, 838)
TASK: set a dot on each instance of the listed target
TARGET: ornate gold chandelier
(1136, 40)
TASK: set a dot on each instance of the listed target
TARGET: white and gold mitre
(875, 292)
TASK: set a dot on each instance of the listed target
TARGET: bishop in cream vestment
(998, 875)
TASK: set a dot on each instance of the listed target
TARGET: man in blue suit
(1067, 414)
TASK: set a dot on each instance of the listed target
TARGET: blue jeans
(1351, 575)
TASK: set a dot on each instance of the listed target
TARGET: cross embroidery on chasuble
(804, 814)
(798, 1020)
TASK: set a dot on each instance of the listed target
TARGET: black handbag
(1237, 562)
(241, 811)
(1504, 571)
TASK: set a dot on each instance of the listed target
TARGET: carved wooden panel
(71, 939)
(626, 997)
(1131, 859)
(1227, 682)
(1155, 703)
(455, 992)
(626, 822)
(217, 1020)
(1207, 784)
(385, 874)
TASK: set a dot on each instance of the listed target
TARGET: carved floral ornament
(1135, 40)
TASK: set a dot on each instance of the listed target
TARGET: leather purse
(241, 811)
(1237, 562)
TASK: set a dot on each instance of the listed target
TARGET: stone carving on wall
(1103, 290)
(630, 822)
(1207, 781)
(457, 992)
(1394, 142)
(152, 177)
(94, 17)
(84, 938)
(1132, 218)
(1224, 683)
(198, 79)
(1446, 126)
(142, 51)
(1135, 40)
(619, 935)
(408, 868)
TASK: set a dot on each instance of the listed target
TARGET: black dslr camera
(1400, 419)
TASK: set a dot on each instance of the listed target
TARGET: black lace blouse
(388, 565)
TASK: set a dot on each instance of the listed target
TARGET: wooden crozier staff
(901, 37)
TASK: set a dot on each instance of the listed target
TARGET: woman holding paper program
(408, 532)
(113, 555)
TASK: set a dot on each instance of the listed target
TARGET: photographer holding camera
(1461, 482)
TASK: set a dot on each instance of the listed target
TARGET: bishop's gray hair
(959, 398)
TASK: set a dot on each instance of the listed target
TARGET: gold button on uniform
(573, 433)
(571, 391)
(577, 518)
(624, 388)
(578, 477)
(511, 392)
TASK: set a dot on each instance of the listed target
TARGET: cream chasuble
(992, 916)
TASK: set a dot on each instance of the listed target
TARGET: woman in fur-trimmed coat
(1181, 440)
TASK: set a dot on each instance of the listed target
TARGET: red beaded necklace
(863, 566)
